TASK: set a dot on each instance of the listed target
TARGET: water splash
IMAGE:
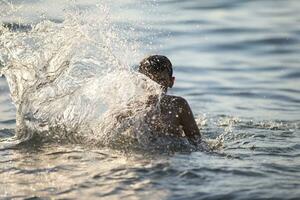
(67, 75)
(73, 81)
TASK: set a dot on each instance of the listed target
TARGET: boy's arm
(187, 120)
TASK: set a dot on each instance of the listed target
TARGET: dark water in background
(236, 62)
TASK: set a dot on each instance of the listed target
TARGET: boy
(175, 113)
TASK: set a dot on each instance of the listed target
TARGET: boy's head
(159, 69)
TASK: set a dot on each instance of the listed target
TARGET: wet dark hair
(155, 64)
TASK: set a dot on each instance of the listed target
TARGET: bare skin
(177, 113)
(175, 116)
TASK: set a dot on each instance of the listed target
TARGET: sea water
(70, 69)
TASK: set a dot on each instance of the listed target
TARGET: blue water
(237, 64)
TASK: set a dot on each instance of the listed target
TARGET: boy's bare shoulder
(175, 100)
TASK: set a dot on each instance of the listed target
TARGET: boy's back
(175, 117)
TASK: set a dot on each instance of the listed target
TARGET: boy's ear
(172, 81)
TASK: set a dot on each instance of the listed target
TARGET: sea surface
(237, 64)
